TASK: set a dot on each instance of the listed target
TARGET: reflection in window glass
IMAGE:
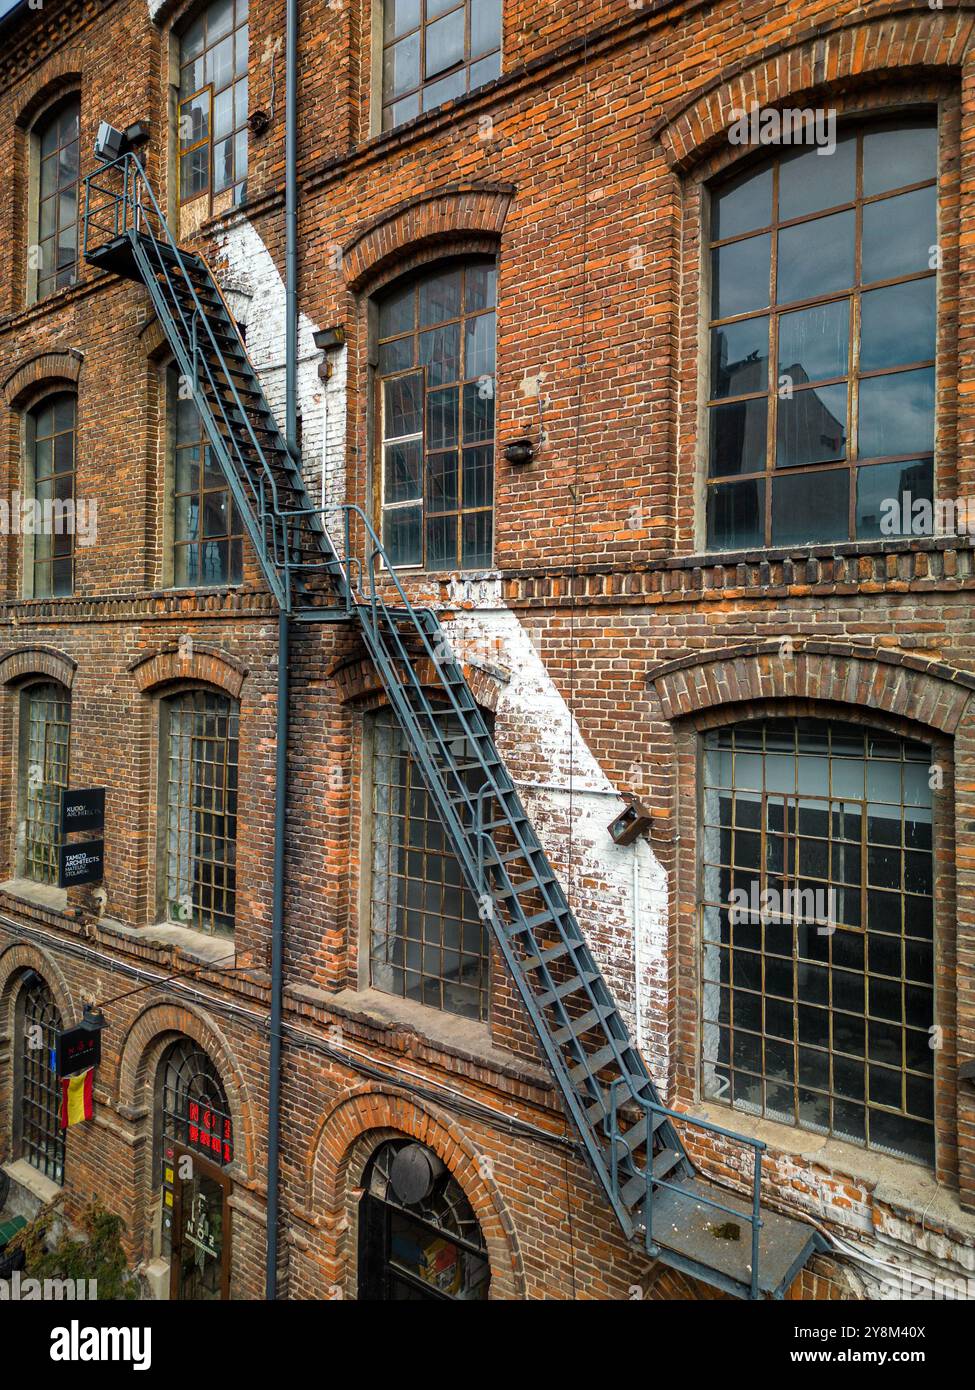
(435, 50)
(817, 927)
(427, 940)
(208, 533)
(56, 234)
(213, 102)
(51, 443)
(436, 405)
(822, 338)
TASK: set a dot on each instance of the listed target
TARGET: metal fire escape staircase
(630, 1138)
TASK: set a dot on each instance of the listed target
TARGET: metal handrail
(754, 1218)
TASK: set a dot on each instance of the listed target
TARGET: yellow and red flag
(76, 1098)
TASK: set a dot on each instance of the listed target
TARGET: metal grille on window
(208, 545)
(47, 712)
(51, 442)
(817, 930)
(427, 941)
(201, 811)
(434, 50)
(57, 229)
(195, 1116)
(436, 406)
(213, 103)
(823, 316)
(41, 1135)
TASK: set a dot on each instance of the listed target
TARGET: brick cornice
(21, 662)
(925, 691)
(62, 367)
(889, 41)
(462, 210)
(209, 665)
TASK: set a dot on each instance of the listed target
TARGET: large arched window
(51, 449)
(208, 533)
(213, 103)
(822, 341)
(817, 925)
(45, 733)
(436, 416)
(420, 1237)
(53, 259)
(194, 1141)
(198, 813)
(38, 1136)
(427, 941)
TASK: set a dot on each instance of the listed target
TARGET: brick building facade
(685, 596)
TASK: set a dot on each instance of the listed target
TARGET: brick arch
(21, 662)
(364, 1117)
(449, 217)
(21, 956)
(154, 342)
(672, 1286)
(150, 1033)
(56, 78)
(44, 368)
(357, 682)
(909, 42)
(926, 692)
(207, 665)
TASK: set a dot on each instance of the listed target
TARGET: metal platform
(685, 1227)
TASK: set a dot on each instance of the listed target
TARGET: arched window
(38, 1136)
(45, 732)
(436, 336)
(54, 259)
(822, 341)
(51, 446)
(199, 743)
(207, 528)
(213, 103)
(817, 923)
(434, 50)
(427, 941)
(193, 1123)
(420, 1237)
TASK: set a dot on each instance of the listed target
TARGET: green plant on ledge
(96, 1257)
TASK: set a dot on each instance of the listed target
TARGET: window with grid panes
(436, 412)
(212, 111)
(45, 736)
(434, 50)
(40, 1132)
(208, 533)
(822, 341)
(426, 939)
(194, 1112)
(56, 234)
(200, 743)
(51, 442)
(817, 922)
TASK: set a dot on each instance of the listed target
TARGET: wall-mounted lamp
(519, 452)
(328, 340)
(258, 122)
(633, 821)
(111, 143)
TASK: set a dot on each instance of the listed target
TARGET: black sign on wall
(83, 862)
(79, 1048)
(82, 809)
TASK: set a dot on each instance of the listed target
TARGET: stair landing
(684, 1227)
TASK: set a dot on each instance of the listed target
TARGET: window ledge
(26, 1176)
(894, 1182)
(192, 944)
(45, 895)
(466, 1037)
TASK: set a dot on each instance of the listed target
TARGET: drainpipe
(281, 733)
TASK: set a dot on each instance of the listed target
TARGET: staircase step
(569, 987)
(635, 1191)
(583, 1024)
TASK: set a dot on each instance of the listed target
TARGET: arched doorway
(418, 1236)
(194, 1145)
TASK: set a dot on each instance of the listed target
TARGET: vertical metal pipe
(281, 748)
